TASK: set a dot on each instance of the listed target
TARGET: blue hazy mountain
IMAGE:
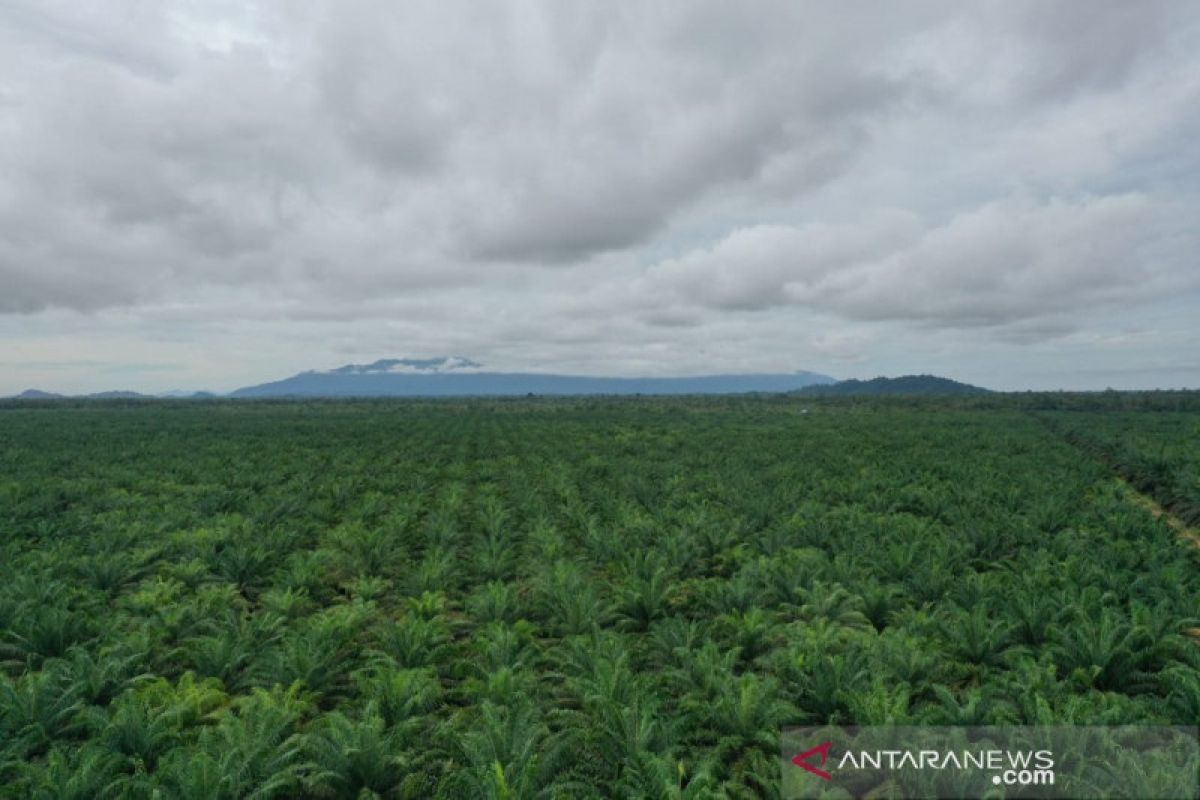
(119, 394)
(458, 377)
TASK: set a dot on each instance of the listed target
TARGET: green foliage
(87, 773)
(38, 709)
(572, 598)
(42, 633)
(156, 716)
(256, 751)
(356, 757)
(509, 753)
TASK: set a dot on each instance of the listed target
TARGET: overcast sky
(209, 195)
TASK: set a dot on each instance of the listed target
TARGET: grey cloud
(595, 184)
(128, 38)
(667, 120)
(1001, 263)
(1075, 49)
(394, 147)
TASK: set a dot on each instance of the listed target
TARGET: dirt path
(1182, 530)
(1190, 535)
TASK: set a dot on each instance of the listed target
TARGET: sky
(210, 195)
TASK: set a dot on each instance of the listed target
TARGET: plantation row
(1159, 454)
(585, 598)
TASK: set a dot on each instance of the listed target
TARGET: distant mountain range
(904, 385)
(455, 376)
(37, 394)
(459, 377)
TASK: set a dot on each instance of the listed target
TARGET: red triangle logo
(821, 750)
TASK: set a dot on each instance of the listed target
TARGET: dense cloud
(1002, 262)
(594, 186)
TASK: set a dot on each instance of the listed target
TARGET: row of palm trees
(1155, 453)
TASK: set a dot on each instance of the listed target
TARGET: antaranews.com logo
(960, 762)
(1020, 768)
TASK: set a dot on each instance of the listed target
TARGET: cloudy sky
(207, 195)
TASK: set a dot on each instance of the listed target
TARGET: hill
(924, 385)
(37, 394)
(119, 394)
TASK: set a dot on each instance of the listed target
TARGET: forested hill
(904, 385)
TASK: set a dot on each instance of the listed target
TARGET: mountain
(37, 394)
(461, 377)
(904, 385)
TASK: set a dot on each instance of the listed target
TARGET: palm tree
(1034, 612)
(702, 673)
(400, 696)
(739, 593)
(258, 749)
(622, 734)
(493, 516)
(111, 572)
(437, 571)
(671, 638)
(643, 590)
(1183, 697)
(86, 773)
(568, 602)
(352, 757)
(496, 601)
(228, 650)
(495, 557)
(1105, 652)
(252, 751)
(833, 602)
(977, 637)
(822, 682)
(46, 633)
(320, 654)
(38, 709)
(972, 707)
(879, 602)
(882, 704)
(510, 754)
(752, 633)
(201, 775)
(366, 550)
(100, 678)
(742, 719)
(499, 645)
(310, 572)
(657, 777)
(152, 718)
(243, 564)
(286, 602)
(412, 641)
